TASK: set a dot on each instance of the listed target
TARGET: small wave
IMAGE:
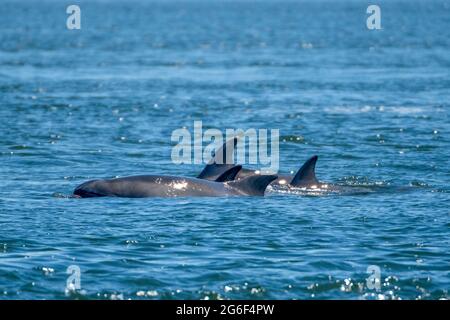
(419, 184)
(293, 138)
(401, 110)
(361, 181)
(323, 190)
(64, 196)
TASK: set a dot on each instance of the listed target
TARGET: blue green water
(103, 101)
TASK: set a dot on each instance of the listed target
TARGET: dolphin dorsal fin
(253, 185)
(306, 175)
(230, 174)
(221, 162)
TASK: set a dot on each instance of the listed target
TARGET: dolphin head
(90, 189)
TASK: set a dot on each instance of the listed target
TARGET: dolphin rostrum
(174, 186)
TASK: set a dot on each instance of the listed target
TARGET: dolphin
(222, 161)
(175, 186)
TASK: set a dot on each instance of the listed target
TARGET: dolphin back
(229, 175)
(253, 185)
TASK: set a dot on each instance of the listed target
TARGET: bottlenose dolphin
(174, 186)
(222, 161)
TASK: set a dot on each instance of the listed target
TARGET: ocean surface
(103, 101)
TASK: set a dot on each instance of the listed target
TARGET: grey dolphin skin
(221, 162)
(174, 186)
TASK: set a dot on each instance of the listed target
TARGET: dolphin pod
(174, 186)
(219, 178)
(220, 163)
